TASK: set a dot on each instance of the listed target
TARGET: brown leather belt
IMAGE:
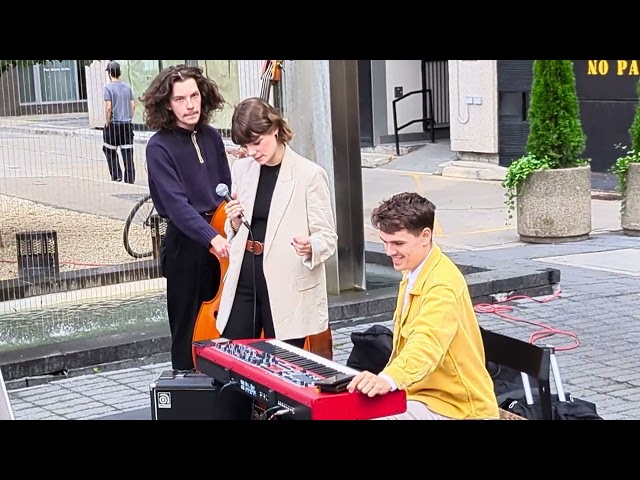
(256, 247)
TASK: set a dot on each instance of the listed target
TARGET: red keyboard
(287, 379)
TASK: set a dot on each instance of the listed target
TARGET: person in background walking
(119, 110)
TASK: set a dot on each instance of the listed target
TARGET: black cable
(263, 415)
(253, 267)
(255, 298)
(228, 384)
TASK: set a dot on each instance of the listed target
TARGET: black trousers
(193, 277)
(233, 404)
(119, 134)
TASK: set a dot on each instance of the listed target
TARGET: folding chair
(530, 360)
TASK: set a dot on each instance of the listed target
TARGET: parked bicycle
(137, 235)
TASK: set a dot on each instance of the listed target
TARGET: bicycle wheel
(137, 229)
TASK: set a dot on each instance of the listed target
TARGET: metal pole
(6, 413)
(320, 100)
(556, 376)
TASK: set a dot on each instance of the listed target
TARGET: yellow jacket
(438, 354)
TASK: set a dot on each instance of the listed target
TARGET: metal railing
(428, 121)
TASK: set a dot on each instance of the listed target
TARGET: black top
(184, 169)
(264, 193)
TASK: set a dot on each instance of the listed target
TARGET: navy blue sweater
(184, 169)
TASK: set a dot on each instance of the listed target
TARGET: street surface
(70, 172)
(599, 301)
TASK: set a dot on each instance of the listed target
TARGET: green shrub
(555, 129)
(556, 139)
(621, 165)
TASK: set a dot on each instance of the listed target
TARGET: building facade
(480, 106)
(58, 86)
(140, 73)
(607, 99)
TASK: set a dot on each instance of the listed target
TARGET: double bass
(205, 325)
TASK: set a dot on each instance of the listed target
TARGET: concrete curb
(374, 160)
(472, 170)
(140, 138)
(42, 364)
(369, 160)
(451, 169)
(605, 195)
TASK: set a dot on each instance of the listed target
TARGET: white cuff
(390, 380)
(310, 260)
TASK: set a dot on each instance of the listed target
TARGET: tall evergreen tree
(555, 129)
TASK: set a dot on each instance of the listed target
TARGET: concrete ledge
(472, 170)
(15, 289)
(35, 365)
(140, 137)
(373, 160)
(605, 195)
(487, 284)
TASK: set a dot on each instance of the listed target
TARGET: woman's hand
(302, 246)
(234, 211)
(236, 152)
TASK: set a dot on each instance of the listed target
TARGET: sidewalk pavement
(599, 302)
(435, 159)
(428, 158)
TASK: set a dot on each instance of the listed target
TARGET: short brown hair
(156, 97)
(254, 117)
(404, 211)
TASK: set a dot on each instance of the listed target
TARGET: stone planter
(631, 214)
(555, 206)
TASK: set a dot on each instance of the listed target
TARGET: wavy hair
(158, 95)
(254, 117)
(406, 210)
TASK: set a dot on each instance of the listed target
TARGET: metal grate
(37, 253)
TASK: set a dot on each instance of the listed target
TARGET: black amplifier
(177, 395)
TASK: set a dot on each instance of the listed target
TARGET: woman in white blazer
(276, 281)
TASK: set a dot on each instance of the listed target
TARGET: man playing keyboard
(438, 354)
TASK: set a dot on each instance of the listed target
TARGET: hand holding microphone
(233, 209)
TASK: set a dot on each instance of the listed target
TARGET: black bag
(575, 409)
(506, 379)
(511, 397)
(571, 409)
(371, 349)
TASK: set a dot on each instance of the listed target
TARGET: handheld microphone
(223, 191)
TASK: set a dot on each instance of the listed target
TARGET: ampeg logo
(164, 399)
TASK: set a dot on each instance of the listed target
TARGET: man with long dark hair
(186, 160)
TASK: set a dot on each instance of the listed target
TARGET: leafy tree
(555, 129)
